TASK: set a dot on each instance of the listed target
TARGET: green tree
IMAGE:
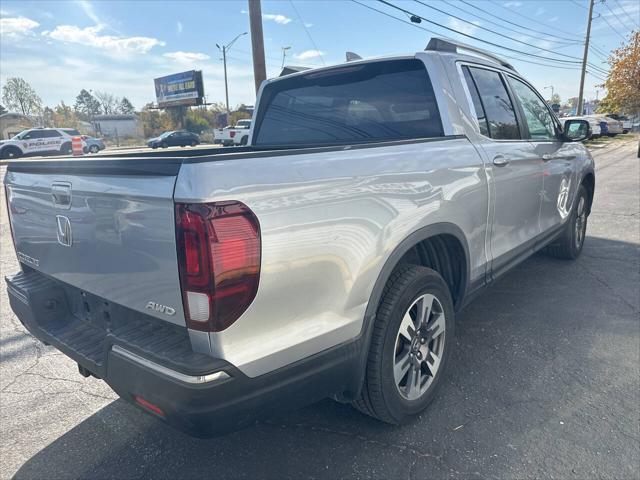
(125, 106)
(555, 98)
(64, 116)
(20, 97)
(86, 104)
(196, 123)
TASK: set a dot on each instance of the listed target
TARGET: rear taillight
(232, 134)
(219, 261)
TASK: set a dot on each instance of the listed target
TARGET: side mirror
(576, 130)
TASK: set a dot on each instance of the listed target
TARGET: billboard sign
(183, 88)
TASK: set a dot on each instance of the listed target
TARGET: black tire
(193, 143)
(380, 396)
(244, 140)
(66, 149)
(164, 145)
(569, 245)
(94, 149)
(10, 152)
(154, 146)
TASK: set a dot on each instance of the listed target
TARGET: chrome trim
(190, 379)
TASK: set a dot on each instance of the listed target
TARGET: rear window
(390, 100)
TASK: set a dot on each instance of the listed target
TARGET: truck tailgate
(104, 226)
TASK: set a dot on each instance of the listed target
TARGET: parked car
(38, 141)
(594, 124)
(627, 125)
(236, 135)
(613, 126)
(93, 145)
(180, 138)
(327, 259)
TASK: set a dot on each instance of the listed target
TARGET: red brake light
(219, 260)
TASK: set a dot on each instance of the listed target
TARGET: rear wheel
(94, 149)
(570, 243)
(164, 145)
(193, 143)
(10, 152)
(66, 149)
(410, 345)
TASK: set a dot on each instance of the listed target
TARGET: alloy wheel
(419, 347)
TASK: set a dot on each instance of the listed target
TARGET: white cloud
(309, 54)
(463, 27)
(553, 19)
(111, 44)
(179, 27)
(281, 19)
(88, 10)
(14, 27)
(308, 25)
(512, 4)
(186, 58)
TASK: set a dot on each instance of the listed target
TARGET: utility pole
(552, 90)
(224, 50)
(584, 60)
(257, 43)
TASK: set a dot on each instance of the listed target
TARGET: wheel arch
(395, 259)
(589, 182)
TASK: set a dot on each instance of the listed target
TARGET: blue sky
(120, 46)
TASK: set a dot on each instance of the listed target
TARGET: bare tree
(108, 102)
(20, 97)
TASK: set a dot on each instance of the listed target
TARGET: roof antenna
(352, 56)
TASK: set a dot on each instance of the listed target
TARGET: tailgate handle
(61, 194)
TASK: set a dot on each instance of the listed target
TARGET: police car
(39, 141)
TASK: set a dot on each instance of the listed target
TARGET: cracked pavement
(544, 383)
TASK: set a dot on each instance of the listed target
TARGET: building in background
(117, 126)
(13, 123)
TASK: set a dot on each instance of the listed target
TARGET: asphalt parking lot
(544, 383)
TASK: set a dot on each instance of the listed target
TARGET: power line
(565, 42)
(308, 33)
(611, 26)
(617, 17)
(477, 38)
(531, 19)
(561, 67)
(625, 11)
(493, 31)
(576, 3)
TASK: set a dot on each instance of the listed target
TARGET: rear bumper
(140, 357)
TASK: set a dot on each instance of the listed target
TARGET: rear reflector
(219, 260)
(148, 405)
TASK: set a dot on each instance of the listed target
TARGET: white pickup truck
(237, 135)
(328, 258)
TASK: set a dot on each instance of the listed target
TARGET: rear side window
(477, 104)
(497, 106)
(390, 100)
(50, 134)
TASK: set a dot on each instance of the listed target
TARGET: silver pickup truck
(327, 258)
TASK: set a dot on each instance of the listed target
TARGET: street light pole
(551, 87)
(224, 50)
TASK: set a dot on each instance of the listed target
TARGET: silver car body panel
(329, 219)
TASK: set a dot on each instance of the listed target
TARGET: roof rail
(442, 45)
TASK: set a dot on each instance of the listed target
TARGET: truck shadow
(548, 345)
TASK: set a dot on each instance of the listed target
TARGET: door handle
(500, 161)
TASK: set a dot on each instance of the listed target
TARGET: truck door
(556, 157)
(514, 171)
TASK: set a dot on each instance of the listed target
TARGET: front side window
(498, 108)
(536, 114)
(33, 134)
(387, 100)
